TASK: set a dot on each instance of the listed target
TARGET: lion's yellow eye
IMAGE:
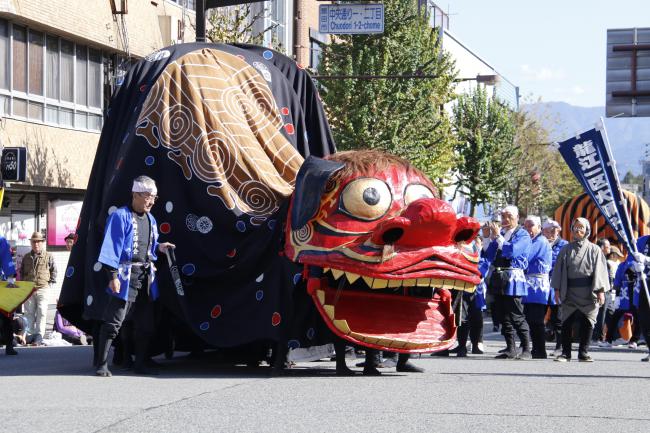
(415, 192)
(366, 199)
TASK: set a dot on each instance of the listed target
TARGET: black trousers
(475, 317)
(7, 331)
(510, 312)
(555, 324)
(535, 314)
(585, 331)
(644, 316)
(141, 312)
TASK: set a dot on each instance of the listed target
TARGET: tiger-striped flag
(589, 157)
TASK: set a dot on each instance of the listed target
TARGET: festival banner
(589, 158)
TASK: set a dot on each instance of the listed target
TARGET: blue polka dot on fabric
(293, 344)
(271, 224)
(310, 333)
(241, 226)
(268, 55)
(188, 269)
(259, 295)
(149, 160)
(204, 326)
(69, 272)
(297, 278)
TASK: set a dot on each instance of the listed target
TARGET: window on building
(316, 42)
(190, 4)
(36, 44)
(276, 15)
(4, 55)
(67, 70)
(44, 78)
(52, 66)
(19, 70)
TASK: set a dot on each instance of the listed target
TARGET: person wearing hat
(580, 280)
(129, 247)
(69, 241)
(508, 254)
(551, 230)
(38, 266)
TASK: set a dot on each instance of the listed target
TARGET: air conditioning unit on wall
(171, 29)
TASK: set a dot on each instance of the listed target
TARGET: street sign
(13, 164)
(628, 73)
(351, 19)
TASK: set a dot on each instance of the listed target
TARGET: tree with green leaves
(631, 178)
(486, 149)
(236, 24)
(403, 116)
(541, 180)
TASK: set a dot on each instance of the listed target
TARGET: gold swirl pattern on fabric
(219, 121)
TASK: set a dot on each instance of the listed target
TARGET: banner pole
(601, 126)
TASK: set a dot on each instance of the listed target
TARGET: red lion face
(381, 252)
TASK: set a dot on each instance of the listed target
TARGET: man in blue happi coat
(508, 254)
(129, 247)
(9, 272)
(551, 230)
(539, 288)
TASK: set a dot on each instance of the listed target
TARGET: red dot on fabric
(276, 319)
(285, 111)
(216, 311)
(165, 228)
(289, 128)
(232, 253)
(143, 87)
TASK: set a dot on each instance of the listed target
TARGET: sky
(551, 49)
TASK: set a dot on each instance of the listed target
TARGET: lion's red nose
(425, 222)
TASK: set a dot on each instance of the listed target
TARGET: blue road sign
(351, 19)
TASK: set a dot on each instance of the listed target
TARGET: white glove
(641, 258)
(638, 266)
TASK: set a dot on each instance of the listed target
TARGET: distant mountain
(628, 136)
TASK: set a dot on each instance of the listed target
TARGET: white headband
(142, 187)
(512, 210)
(534, 219)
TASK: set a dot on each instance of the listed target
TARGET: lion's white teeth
(352, 277)
(380, 283)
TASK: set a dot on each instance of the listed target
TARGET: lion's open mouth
(400, 314)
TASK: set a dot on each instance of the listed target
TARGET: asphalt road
(54, 390)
